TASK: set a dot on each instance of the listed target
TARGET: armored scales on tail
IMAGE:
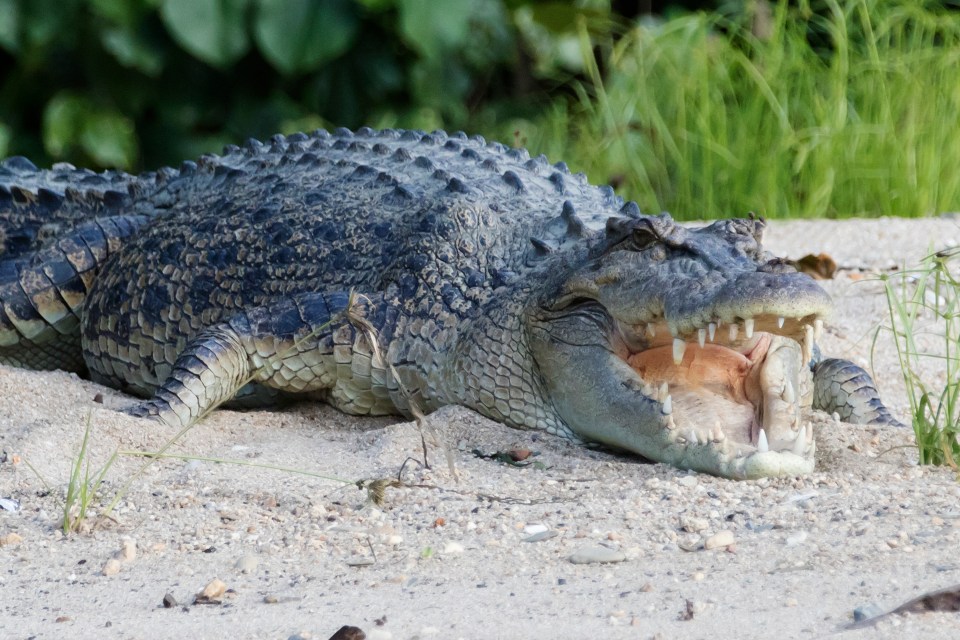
(484, 277)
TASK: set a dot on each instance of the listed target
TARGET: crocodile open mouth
(736, 386)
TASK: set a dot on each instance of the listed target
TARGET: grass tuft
(928, 295)
(846, 112)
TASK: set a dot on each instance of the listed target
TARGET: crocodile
(395, 272)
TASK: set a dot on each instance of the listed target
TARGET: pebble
(10, 538)
(128, 550)
(111, 567)
(692, 524)
(592, 554)
(360, 562)
(247, 564)
(796, 538)
(212, 593)
(543, 535)
(169, 602)
(719, 540)
(691, 543)
(452, 548)
(688, 481)
(866, 611)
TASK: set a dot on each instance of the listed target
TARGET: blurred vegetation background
(810, 107)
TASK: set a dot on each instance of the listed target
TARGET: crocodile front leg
(842, 387)
(305, 345)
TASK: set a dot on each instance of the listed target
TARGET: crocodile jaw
(731, 405)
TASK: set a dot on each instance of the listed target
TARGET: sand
(302, 551)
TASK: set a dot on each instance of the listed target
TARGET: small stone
(691, 543)
(543, 535)
(128, 550)
(268, 599)
(533, 529)
(698, 576)
(63, 619)
(866, 611)
(719, 539)
(790, 602)
(169, 602)
(796, 538)
(596, 554)
(360, 562)
(452, 548)
(646, 587)
(211, 593)
(692, 524)
(10, 538)
(111, 567)
(688, 481)
(346, 632)
(247, 564)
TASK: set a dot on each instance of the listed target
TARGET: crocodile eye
(643, 237)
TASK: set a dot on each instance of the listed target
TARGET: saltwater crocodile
(388, 271)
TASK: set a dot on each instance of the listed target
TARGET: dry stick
(369, 332)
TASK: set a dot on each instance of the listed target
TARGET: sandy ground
(303, 554)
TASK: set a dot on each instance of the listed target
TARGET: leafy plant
(836, 113)
(136, 84)
(914, 298)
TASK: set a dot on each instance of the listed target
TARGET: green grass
(847, 113)
(925, 303)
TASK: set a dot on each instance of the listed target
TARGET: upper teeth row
(810, 334)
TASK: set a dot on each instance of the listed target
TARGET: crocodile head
(687, 346)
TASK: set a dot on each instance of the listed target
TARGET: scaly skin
(479, 277)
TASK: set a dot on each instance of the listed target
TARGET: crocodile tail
(844, 388)
(37, 205)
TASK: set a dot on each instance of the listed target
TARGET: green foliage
(846, 112)
(809, 108)
(925, 303)
(140, 83)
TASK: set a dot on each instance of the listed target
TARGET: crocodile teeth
(701, 337)
(748, 328)
(663, 393)
(648, 390)
(679, 347)
(795, 422)
(734, 328)
(799, 443)
(651, 330)
(692, 438)
(780, 321)
(807, 343)
(809, 430)
(670, 423)
(711, 330)
(789, 395)
(817, 329)
(762, 445)
(717, 435)
(667, 407)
